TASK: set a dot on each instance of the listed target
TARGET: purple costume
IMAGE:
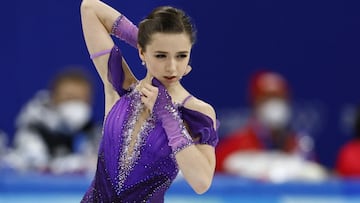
(146, 173)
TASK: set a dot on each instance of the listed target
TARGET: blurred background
(313, 45)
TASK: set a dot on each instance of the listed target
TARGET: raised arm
(97, 21)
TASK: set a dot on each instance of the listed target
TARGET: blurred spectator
(55, 131)
(267, 147)
(3, 143)
(348, 161)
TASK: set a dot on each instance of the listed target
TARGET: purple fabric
(201, 126)
(125, 30)
(100, 53)
(164, 110)
(186, 99)
(115, 71)
(145, 173)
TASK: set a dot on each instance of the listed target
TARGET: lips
(169, 77)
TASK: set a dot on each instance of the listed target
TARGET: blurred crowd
(56, 133)
(273, 144)
(348, 163)
(55, 130)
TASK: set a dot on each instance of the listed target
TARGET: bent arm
(97, 20)
(197, 162)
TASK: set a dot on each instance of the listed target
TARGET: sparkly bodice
(144, 172)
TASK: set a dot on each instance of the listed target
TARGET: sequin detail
(126, 160)
(115, 26)
(154, 168)
(125, 30)
(151, 167)
(184, 140)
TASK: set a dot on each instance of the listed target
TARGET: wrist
(124, 29)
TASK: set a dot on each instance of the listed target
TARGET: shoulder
(201, 106)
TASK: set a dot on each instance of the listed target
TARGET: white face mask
(274, 113)
(74, 114)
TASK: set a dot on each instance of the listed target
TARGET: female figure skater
(153, 127)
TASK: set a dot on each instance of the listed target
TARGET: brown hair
(71, 73)
(165, 19)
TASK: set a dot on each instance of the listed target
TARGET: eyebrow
(164, 52)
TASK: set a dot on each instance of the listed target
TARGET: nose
(171, 66)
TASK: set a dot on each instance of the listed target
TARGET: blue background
(315, 44)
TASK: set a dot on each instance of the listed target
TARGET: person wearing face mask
(55, 129)
(347, 164)
(261, 148)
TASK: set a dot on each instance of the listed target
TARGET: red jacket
(246, 139)
(348, 160)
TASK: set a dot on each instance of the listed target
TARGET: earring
(143, 63)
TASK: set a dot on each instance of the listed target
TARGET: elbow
(201, 186)
(85, 5)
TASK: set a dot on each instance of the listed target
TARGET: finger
(146, 92)
(147, 80)
(144, 99)
(150, 87)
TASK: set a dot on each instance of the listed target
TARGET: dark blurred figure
(55, 130)
(348, 160)
(3, 143)
(267, 147)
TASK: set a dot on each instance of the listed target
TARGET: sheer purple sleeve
(115, 71)
(164, 111)
(125, 30)
(201, 126)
